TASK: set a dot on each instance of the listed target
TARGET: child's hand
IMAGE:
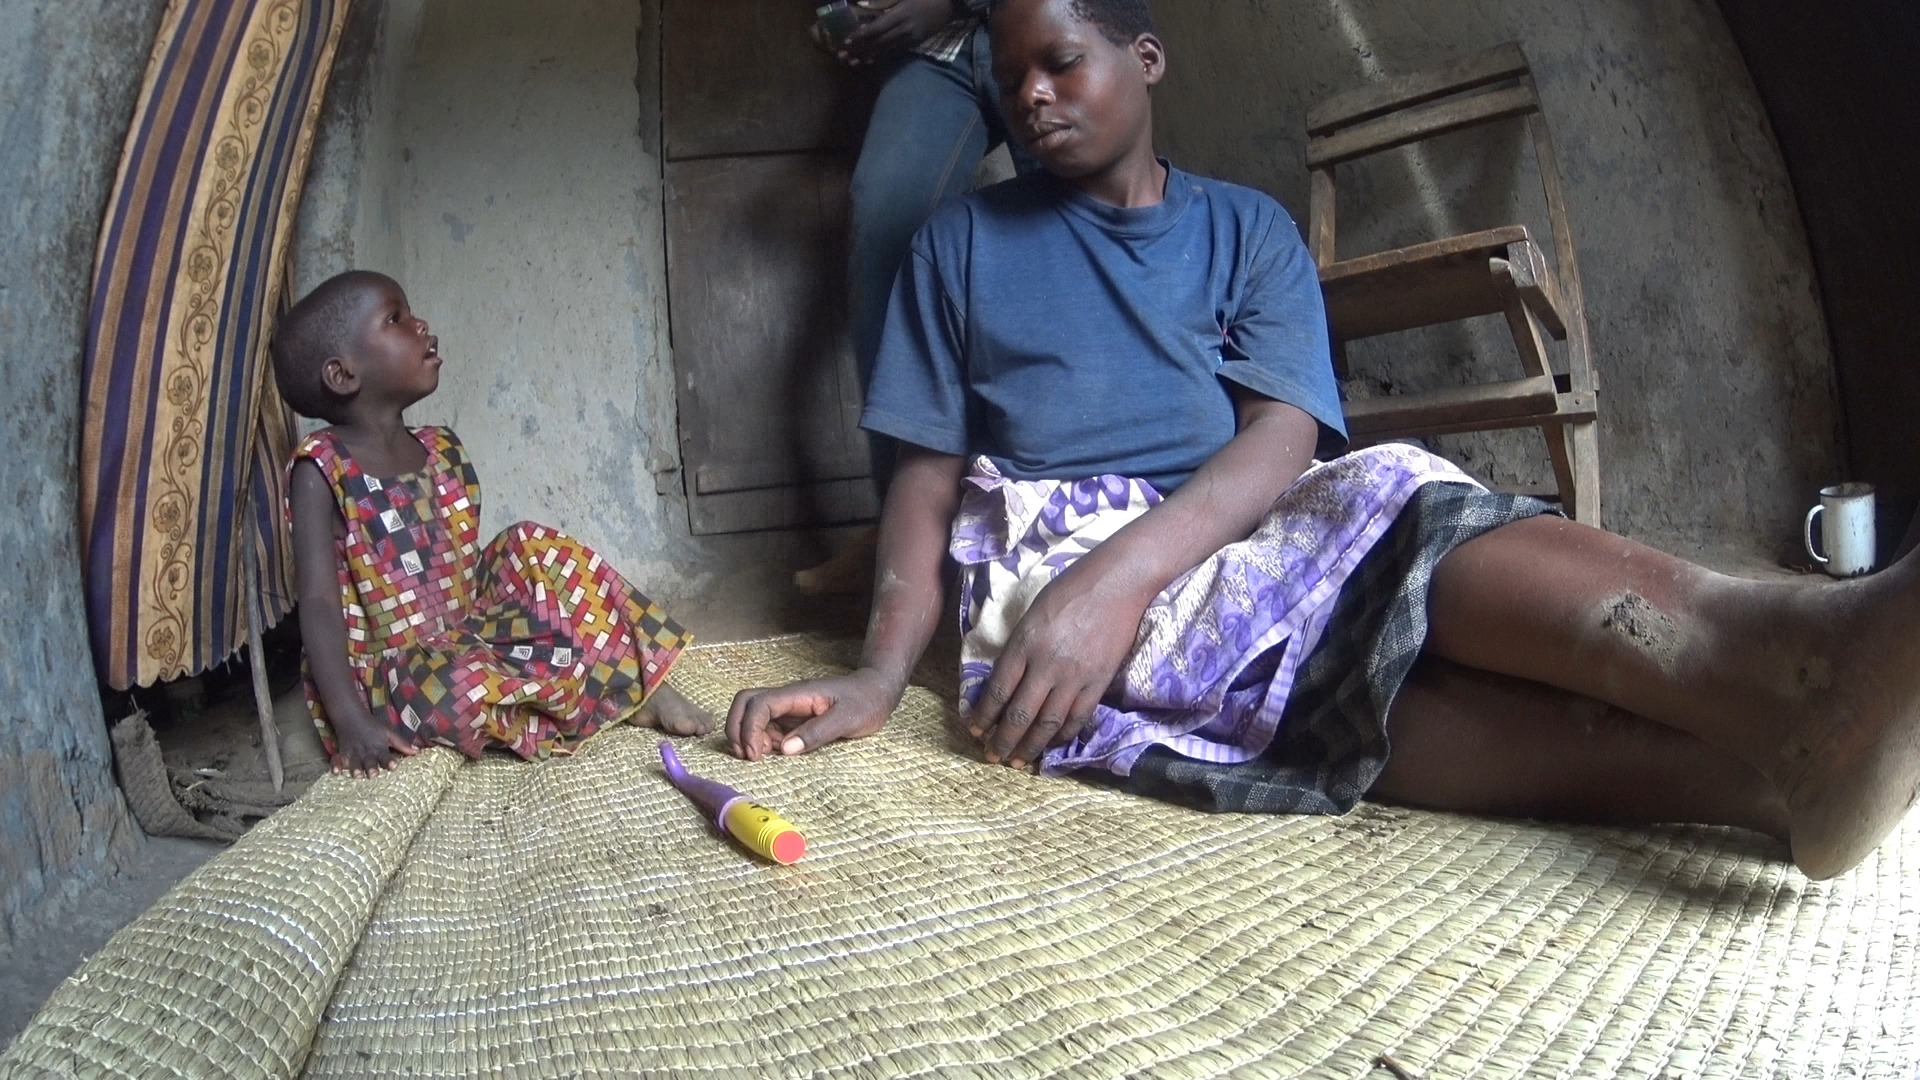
(365, 748)
(803, 716)
(670, 711)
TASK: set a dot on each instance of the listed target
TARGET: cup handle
(1807, 536)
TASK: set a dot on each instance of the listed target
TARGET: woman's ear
(337, 375)
(1152, 56)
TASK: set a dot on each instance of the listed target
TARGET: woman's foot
(1849, 764)
(670, 711)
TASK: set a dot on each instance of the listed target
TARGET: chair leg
(1560, 452)
(1575, 450)
(1571, 445)
(1528, 339)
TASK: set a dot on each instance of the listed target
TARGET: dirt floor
(214, 744)
(41, 959)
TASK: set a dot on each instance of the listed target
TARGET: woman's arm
(1067, 648)
(907, 602)
(362, 745)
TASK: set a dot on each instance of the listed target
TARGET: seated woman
(1110, 380)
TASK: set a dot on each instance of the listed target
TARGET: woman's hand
(364, 747)
(898, 26)
(803, 716)
(907, 604)
(1063, 654)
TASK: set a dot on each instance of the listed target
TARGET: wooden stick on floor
(257, 656)
(1391, 1064)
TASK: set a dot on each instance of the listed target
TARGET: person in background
(937, 115)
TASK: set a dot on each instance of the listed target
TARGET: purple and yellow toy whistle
(764, 832)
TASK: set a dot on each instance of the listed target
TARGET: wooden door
(758, 130)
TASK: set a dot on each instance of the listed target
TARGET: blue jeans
(932, 123)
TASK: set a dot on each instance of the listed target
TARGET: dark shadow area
(1839, 85)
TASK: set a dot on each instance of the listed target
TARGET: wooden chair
(1495, 271)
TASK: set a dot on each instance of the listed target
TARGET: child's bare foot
(1850, 765)
(670, 711)
(848, 573)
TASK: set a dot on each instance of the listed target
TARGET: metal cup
(1845, 514)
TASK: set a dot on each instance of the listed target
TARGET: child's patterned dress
(530, 644)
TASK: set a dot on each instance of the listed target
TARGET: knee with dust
(1651, 632)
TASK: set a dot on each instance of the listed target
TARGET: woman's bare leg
(1479, 743)
(1816, 686)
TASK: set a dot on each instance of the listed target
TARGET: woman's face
(1075, 99)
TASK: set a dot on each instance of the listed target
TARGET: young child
(1159, 585)
(414, 633)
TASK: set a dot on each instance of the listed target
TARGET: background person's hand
(893, 27)
(820, 40)
(1059, 662)
(803, 716)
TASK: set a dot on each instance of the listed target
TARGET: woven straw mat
(580, 918)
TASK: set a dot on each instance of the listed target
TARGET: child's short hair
(311, 331)
(1119, 21)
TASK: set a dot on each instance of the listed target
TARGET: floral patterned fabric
(528, 643)
(1216, 655)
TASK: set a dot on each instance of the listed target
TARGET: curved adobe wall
(1718, 416)
(1840, 86)
(69, 74)
(502, 163)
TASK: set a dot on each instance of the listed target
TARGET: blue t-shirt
(1066, 338)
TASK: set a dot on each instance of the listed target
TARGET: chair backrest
(1481, 89)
